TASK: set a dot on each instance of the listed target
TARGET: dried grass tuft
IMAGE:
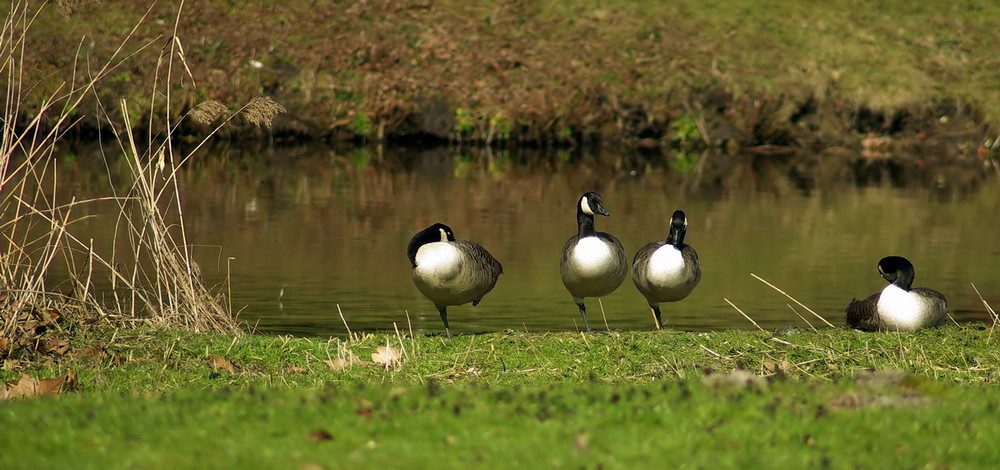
(70, 8)
(207, 112)
(261, 111)
(154, 279)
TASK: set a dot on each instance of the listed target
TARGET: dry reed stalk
(793, 299)
(399, 337)
(603, 315)
(155, 272)
(744, 315)
(796, 312)
(993, 313)
(341, 312)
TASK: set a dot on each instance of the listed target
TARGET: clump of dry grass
(153, 277)
(261, 110)
(207, 112)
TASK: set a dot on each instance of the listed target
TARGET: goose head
(897, 270)
(678, 227)
(435, 233)
(591, 204)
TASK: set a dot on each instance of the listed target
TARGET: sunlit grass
(513, 399)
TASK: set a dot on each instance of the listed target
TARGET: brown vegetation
(545, 72)
(153, 278)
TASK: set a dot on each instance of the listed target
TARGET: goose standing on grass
(593, 263)
(449, 271)
(898, 307)
(667, 271)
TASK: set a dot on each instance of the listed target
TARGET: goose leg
(444, 318)
(656, 315)
(583, 312)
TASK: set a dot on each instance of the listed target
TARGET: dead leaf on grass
(319, 435)
(27, 386)
(24, 386)
(337, 364)
(387, 356)
(50, 316)
(219, 362)
(117, 360)
(777, 368)
(341, 363)
(295, 370)
(737, 379)
(91, 352)
(58, 346)
(364, 408)
(53, 386)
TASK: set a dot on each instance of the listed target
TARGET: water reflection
(309, 230)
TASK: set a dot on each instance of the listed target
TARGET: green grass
(911, 424)
(163, 361)
(620, 399)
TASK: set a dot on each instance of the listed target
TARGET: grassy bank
(156, 361)
(837, 398)
(130, 395)
(679, 74)
(685, 425)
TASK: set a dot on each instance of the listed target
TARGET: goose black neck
(904, 279)
(676, 236)
(586, 224)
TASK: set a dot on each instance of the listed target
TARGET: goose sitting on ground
(451, 272)
(593, 263)
(667, 271)
(898, 307)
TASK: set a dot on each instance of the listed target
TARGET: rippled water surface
(303, 232)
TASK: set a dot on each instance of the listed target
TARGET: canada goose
(667, 271)
(593, 263)
(898, 307)
(449, 271)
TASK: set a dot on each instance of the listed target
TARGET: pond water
(306, 233)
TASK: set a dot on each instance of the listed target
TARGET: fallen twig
(744, 315)
(793, 299)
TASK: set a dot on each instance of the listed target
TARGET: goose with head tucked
(898, 307)
(451, 272)
(593, 263)
(667, 271)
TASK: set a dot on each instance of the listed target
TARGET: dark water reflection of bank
(309, 229)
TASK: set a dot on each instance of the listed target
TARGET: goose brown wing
(939, 312)
(863, 314)
(480, 269)
(640, 274)
(621, 261)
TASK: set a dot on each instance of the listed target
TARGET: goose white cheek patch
(585, 206)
